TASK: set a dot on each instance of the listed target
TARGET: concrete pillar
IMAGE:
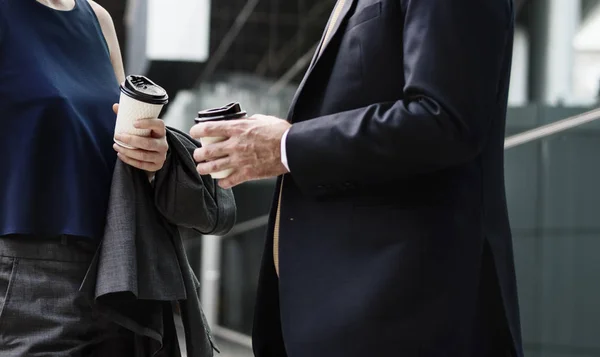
(554, 24)
(519, 78)
(211, 278)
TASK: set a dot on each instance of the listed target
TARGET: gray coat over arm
(141, 268)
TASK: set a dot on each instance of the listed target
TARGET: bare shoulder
(110, 34)
(106, 23)
(103, 16)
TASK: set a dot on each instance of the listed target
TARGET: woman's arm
(110, 34)
(139, 158)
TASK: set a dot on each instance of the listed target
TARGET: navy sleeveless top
(57, 87)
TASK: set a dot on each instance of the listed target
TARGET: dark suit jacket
(394, 236)
(141, 267)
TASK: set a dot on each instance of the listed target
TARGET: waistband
(60, 248)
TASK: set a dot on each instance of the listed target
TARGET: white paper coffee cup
(140, 99)
(231, 111)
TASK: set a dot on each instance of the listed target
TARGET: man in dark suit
(389, 232)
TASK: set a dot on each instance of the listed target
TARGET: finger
(210, 167)
(156, 125)
(115, 108)
(218, 128)
(236, 178)
(141, 155)
(142, 165)
(144, 143)
(213, 151)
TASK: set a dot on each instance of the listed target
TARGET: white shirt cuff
(284, 159)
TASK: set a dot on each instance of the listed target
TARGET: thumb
(115, 108)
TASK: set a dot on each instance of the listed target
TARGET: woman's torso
(57, 87)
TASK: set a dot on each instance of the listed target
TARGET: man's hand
(151, 151)
(253, 149)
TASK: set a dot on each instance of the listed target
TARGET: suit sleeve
(454, 52)
(2, 26)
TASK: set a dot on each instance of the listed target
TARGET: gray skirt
(42, 312)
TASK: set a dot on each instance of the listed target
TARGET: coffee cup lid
(228, 112)
(144, 90)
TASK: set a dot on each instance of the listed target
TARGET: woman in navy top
(60, 69)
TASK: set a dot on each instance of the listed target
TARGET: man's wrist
(284, 160)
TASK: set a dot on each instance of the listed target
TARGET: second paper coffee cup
(231, 111)
(140, 99)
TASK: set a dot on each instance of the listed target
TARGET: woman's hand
(151, 151)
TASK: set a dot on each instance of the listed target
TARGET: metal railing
(211, 245)
(551, 129)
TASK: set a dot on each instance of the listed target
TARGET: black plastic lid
(144, 90)
(228, 112)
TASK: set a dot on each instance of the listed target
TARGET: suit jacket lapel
(321, 48)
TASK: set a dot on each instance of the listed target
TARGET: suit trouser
(42, 312)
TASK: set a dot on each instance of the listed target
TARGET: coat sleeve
(187, 199)
(454, 60)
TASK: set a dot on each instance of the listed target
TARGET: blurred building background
(208, 53)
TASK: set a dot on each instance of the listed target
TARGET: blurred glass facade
(258, 51)
(553, 196)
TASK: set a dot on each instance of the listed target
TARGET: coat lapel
(321, 48)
